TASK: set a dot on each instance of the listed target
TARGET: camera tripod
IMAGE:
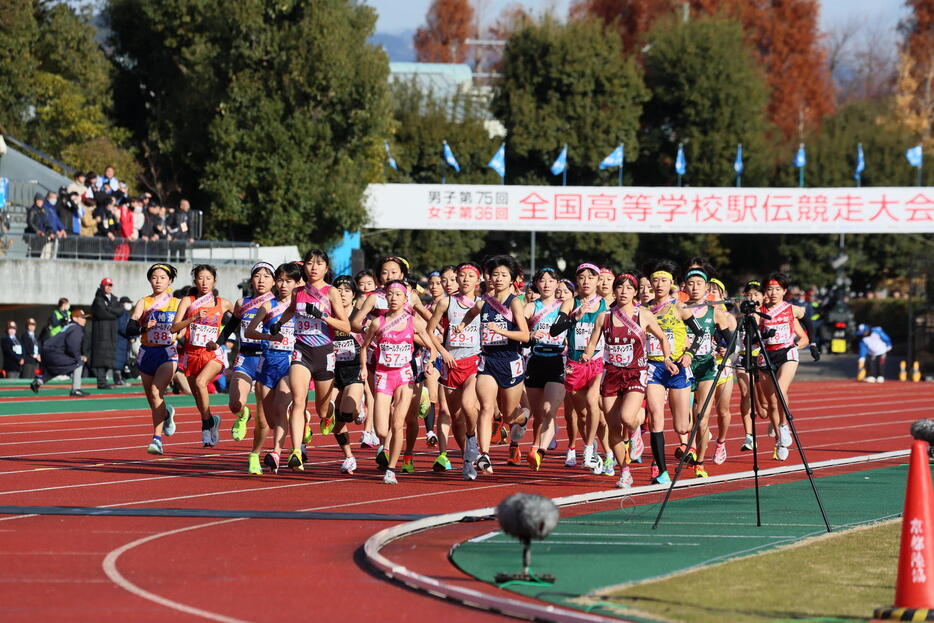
(751, 336)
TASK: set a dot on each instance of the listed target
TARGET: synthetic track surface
(162, 568)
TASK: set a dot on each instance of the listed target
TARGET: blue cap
(862, 329)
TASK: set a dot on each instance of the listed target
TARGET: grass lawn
(837, 577)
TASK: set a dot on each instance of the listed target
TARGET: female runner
(565, 292)
(318, 311)
(202, 314)
(151, 319)
(783, 336)
(272, 372)
(605, 286)
(674, 321)
(724, 390)
(459, 374)
(500, 372)
(544, 377)
(347, 375)
(366, 285)
(394, 334)
(624, 329)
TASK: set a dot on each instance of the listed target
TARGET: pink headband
(469, 267)
(397, 286)
(630, 278)
(606, 271)
(586, 267)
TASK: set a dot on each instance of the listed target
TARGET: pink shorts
(579, 374)
(387, 380)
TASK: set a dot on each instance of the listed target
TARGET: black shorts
(544, 369)
(778, 357)
(346, 374)
(319, 360)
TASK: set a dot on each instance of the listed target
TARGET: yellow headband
(663, 273)
(720, 285)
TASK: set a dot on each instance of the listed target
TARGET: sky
(397, 16)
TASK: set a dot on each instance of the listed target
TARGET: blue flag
(498, 161)
(681, 164)
(450, 159)
(561, 162)
(738, 163)
(615, 159)
(915, 156)
(800, 157)
(392, 161)
(860, 162)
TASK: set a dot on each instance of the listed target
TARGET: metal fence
(97, 248)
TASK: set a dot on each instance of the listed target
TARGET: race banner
(651, 209)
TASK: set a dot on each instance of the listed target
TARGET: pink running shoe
(719, 454)
(636, 448)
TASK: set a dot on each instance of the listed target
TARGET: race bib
(516, 367)
(345, 350)
(239, 361)
(330, 362)
(161, 334)
(307, 325)
(782, 335)
(542, 335)
(172, 352)
(491, 338)
(582, 332)
(620, 355)
(395, 355)
(201, 334)
(655, 347)
(706, 345)
(288, 343)
(468, 338)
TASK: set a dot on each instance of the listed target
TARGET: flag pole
(621, 167)
(801, 177)
(739, 180)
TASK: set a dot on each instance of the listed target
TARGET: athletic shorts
(727, 375)
(346, 374)
(778, 357)
(703, 369)
(661, 376)
(319, 360)
(388, 380)
(505, 367)
(618, 381)
(272, 368)
(193, 361)
(544, 369)
(152, 357)
(247, 365)
(579, 374)
(454, 378)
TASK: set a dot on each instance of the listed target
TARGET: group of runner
(483, 358)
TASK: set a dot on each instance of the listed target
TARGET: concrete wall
(43, 282)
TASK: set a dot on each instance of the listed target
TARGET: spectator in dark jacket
(62, 354)
(12, 352)
(38, 223)
(56, 227)
(105, 310)
(123, 342)
(31, 355)
(108, 225)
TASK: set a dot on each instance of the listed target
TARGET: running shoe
(700, 472)
(408, 465)
(472, 451)
(500, 433)
(327, 425)
(780, 453)
(597, 464)
(588, 456)
(78, 393)
(304, 453)
(654, 471)
(469, 471)
(625, 479)
(609, 466)
(484, 463)
(785, 433)
(254, 467)
(271, 460)
(168, 424)
(636, 448)
(515, 456)
(719, 453)
(570, 459)
(747, 444)
(295, 461)
(679, 451)
(880, 379)
(216, 430)
(382, 459)
(517, 431)
(349, 466)
(870, 379)
(206, 437)
(369, 440)
(35, 385)
(554, 440)
(238, 430)
(534, 459)
(771, 430)
(155, 447)
(431, 439)
(691, 456)
(361, 416)
(662, 479)
(307, 437)
(442, 463)
(389, 478)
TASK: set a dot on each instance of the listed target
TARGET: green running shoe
(442, 463)
(307, 438)
(408, 465)
(295, 461)
(327, 425)
(382, 459)
(238, 430)
(255, 468)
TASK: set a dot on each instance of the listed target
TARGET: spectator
(31, 356)
(179, 226)
(139, 218)
(12, 352)
(875, 343)
(107, 223)
(123, 342)
(37, 223)
(70, 210)
(78, 185)
(90, 195)
(88, 222)
(57, 321)
(153, 226)
(62, 354)
(109, 182)
(56, 227)
(105, 310)
(126, 232)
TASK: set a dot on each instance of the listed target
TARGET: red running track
(109, 568)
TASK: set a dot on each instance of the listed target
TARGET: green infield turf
(98, 401)
(589, 553)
